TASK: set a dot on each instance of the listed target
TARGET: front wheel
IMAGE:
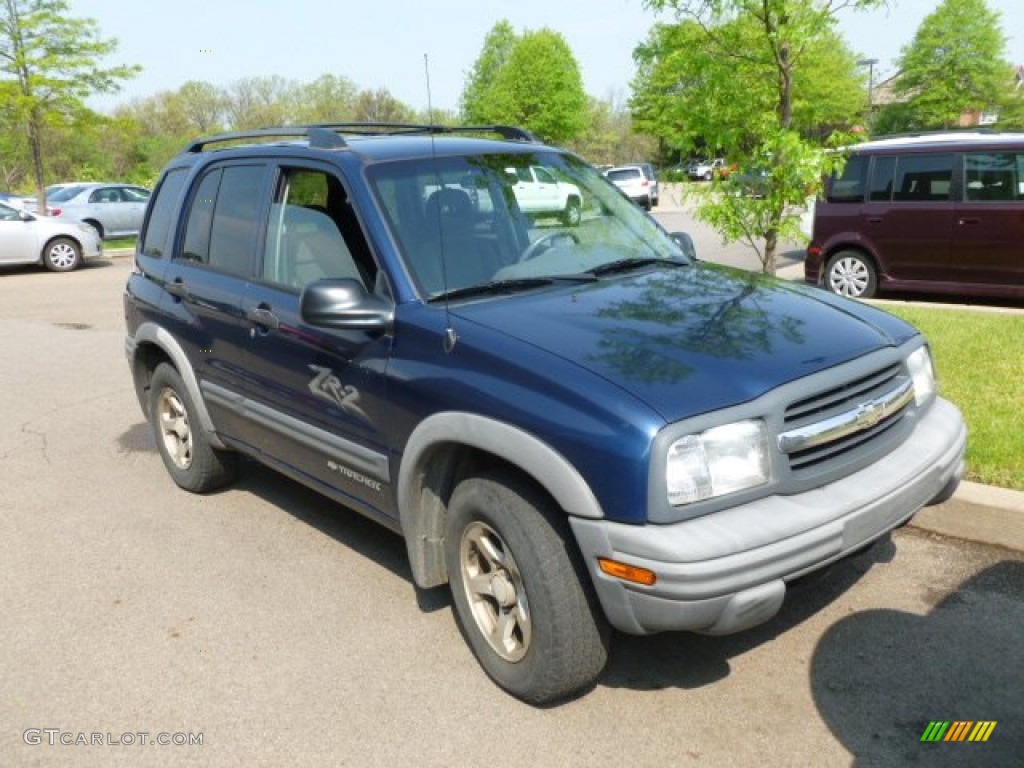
(851, 274)
(572, 215)
(62, 255)
(520, 595)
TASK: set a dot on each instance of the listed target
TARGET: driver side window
(308, 237)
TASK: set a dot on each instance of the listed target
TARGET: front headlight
(717, 461)
(922, 373)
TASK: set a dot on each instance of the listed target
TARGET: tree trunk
(35, 142)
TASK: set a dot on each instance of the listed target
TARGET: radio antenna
(450, 336)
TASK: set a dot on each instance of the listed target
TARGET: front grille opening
(841, 398)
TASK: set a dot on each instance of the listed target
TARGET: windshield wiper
(508, 286)
(627, 265)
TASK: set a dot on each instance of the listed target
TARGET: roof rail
(329, 135)
(391, 129)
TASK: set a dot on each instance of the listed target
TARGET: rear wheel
(851, 273)
(193, 463)
(572, 215)
(62, 255)
(521, 599)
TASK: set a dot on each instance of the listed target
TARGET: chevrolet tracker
(569, 420)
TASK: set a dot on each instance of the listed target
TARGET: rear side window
(848, 187)
(923, 178)
(161, 215)
(994, 177)
(882, 174)
(223, 222)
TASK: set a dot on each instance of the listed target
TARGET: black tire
(191, 461)
(573, 214)
(62, 254)
(851, 274)
(532, 584)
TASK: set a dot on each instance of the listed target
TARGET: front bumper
(726, 571)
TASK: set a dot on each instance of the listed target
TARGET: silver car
(26, 238)
(113, 210)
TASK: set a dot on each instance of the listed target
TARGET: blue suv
(574, 424)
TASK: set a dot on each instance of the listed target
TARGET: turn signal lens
(627, 572)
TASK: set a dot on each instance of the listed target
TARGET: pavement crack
(26, 429)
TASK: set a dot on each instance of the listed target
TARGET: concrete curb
(981, 513)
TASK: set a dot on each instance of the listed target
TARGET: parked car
(652, 176)
(572, 426)
(634, 183)
(61, 246)
(113, 210)
(11, 199)
(940, 213)
(706, 170)
(540, 192)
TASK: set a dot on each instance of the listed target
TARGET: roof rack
(329, 135)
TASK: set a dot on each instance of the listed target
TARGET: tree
(955, 63)
(755, 80)
(380, 106)
(532, 81)
(54, 61)
(610, 137)
(328, 99)
(475, 101)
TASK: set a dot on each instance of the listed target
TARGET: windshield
(475, 220)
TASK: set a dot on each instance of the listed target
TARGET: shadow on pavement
(879, 677)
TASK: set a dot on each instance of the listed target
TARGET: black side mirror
(343, 303)
(26, 216)
(685, 243)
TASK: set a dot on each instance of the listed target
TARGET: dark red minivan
(939, 213)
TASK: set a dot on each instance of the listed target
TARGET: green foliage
(759, 82)
(954, 63)
(476, 103)
(52, 61)
(531, 81)
(610, 137)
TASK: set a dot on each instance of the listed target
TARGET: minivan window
(923, 178)
(848, 187)
(882, 173)
(994, 176)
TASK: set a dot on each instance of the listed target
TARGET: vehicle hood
(690, 340)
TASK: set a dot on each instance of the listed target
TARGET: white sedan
(26, 238)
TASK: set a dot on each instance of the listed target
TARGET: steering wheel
(544, 242)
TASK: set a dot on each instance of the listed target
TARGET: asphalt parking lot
(283, 630)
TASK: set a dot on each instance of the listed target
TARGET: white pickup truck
(538, 193)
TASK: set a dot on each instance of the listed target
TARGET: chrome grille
(850, 418)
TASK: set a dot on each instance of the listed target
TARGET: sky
(383, 43)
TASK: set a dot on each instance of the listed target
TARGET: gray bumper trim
(725, 571)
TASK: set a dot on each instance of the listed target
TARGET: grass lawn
(979, 361)
(120, 242)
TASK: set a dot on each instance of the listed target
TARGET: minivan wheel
(519, 592)
(851, 273)
(192, 462)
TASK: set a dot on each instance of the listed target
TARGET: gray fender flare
(422, 518)
(151, 333)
